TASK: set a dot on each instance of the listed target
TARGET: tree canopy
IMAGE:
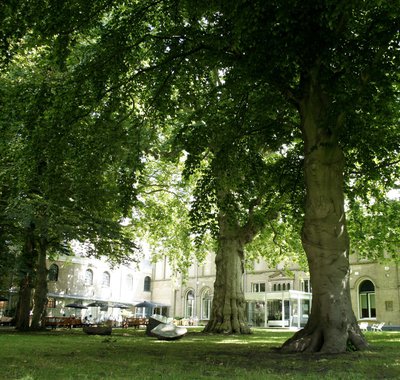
(233, 83)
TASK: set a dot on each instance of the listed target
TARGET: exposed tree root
(227, 327)
(328, 340)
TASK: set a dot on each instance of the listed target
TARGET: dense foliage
(250, 92)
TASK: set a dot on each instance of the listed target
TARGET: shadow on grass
(130, 354)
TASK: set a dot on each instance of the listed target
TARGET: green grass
(130, 354)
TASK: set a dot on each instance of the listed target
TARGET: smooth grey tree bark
(228, 307)
(332, 326)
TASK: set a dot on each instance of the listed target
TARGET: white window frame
(206, 303)
(89, 277)
(256, 287)
(370, 298)
(189, 304)
(106, 280)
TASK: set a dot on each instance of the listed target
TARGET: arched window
(284, 287)
(279, 287)
(89, 277)
(51, 303)
(275, 288)
(367, 299)
(106, 280)
(189, 304)
(53, 272)
(288, 286)
(147, 284)
(206, 304)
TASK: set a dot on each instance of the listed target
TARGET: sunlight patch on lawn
(232, 341)
(386, 340)
(386, 337)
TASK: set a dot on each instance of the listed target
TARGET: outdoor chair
(363, 326)
(377, 326)
(6, 321)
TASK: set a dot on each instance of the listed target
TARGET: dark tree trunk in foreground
(24, 303)
(26, 272)
(40, 295)
(228, 307)
(332, 325)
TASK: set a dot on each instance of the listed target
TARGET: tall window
(189, 304)
(147, 284)
(53, 272)
(106, 280)
(367, 299)
(306, 286)
(206, 304)
(89, 277)
(129, 282)
(51, 303)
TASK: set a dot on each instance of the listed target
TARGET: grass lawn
(130, 354)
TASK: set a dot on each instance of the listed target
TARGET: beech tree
(54, 157)
(334, 64)
(229, 193)
(318, 58)
(246, 200)
(239, 189)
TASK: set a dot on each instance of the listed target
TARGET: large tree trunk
(26, 273)
(332, 326)
(228, 307)
(40, 295)
(22, 321)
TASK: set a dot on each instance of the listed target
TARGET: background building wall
(385, 278)
(171, 290)
(126, 285)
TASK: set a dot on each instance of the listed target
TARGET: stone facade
(267, 289)
(75, 279)
(275, 296)
(184, 296)
(375, 291)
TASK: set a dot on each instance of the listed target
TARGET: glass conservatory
(289, 308)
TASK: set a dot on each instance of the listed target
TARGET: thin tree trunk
(26, 271)
(332, 326)
(40, 295)
(228, 307)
